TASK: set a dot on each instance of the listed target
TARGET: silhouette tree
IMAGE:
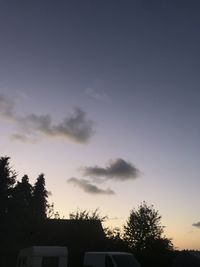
(22, 209)
(22, 198)
(39, 199)
(51, 213)
(143, 233)
(87, 215)
(7, 181)
(115, 239)
(143, 229)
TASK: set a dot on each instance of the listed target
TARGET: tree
(143, 230)
(51, 213)
(39, 199)
(22, 198)
(7, 181)
(87, 215)
(115, 239)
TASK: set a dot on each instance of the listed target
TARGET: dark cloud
(75, 127)
(196, 224)
(89, 188)
(117, 169)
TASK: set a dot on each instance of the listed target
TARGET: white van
(56, 256)
(110, 259)
(43, 256)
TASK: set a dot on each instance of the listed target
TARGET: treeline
(20, 199)
(23, 206)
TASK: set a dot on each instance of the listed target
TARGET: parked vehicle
(43, 256)
(56, 256)
(110, 259)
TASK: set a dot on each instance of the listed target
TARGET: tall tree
(39, 200)
(7, 181)
(22, 198)
(143, 229)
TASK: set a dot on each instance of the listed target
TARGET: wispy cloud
(117, 169)
(196, 225)
(6, 106)
(24, 138)
(96, 95)
(90, 188)
(76, 127)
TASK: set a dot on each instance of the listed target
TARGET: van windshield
(125, 261)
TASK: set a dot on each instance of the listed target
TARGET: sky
(103, 98)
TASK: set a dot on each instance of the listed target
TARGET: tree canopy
(87, 215)
(143, 229)
(40, 195)
(22, 198)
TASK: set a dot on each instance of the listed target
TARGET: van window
(50, 261)
(108, 261)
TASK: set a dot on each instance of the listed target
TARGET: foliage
(21, 207)
(7, 181)
(115, 239)
(87, 215)
(51, 213)
(143, 229)
(113, 233)
(22, 198)
(144, 234)
(39, 198)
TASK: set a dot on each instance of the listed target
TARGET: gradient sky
(103, 97)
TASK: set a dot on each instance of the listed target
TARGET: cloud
(89, 188)
(117, 169)
(96, 95)
(75, 127)
(196, 224)
(6, 106)
(23, 138)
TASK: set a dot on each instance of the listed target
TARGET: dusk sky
(103, 97)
